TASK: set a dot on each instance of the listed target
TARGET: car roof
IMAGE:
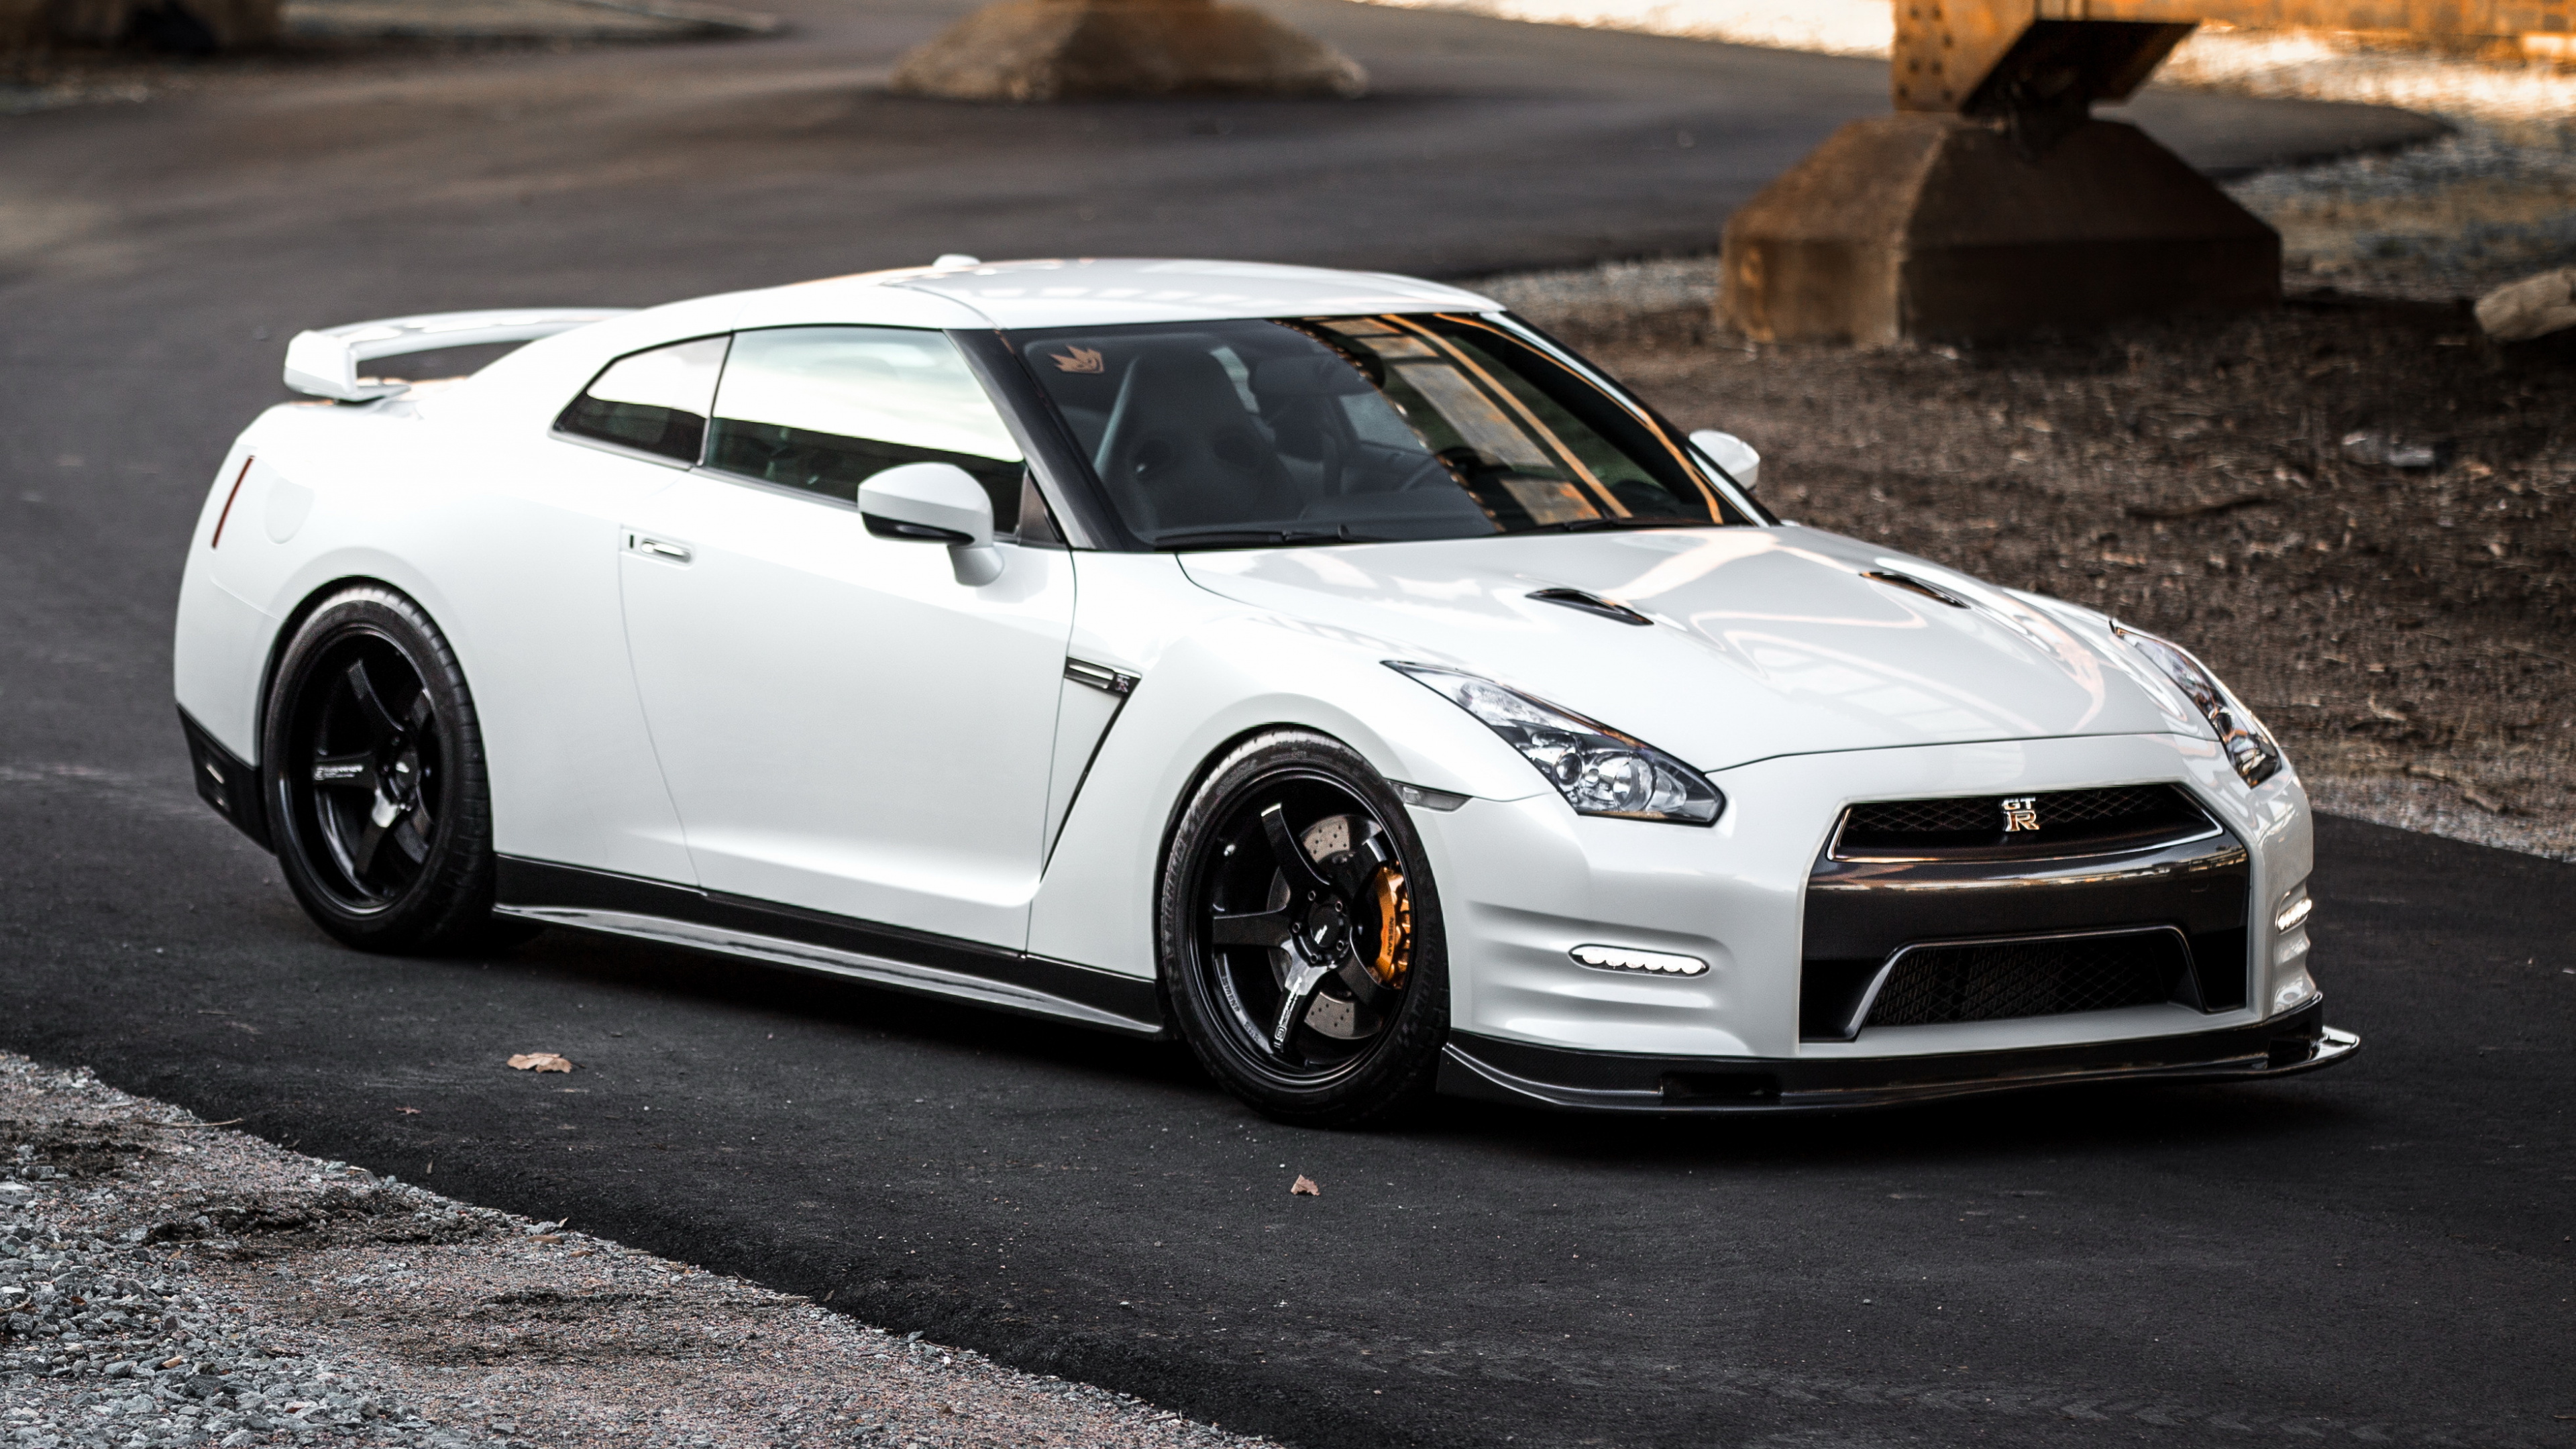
(1106, 291)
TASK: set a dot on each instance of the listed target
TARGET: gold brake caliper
(1394, 929)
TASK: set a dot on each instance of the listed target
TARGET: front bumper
(1593, 1081)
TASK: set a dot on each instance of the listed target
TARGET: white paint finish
(509, 545)
(844, 726)
(862, 300)
(247, 561)
(1083, 715)
(1523, 885)
(1767, 642)
(866, 736)
(216, 661)
(220, 641)
(1733, 456)
(325, 363)
(944, 497)
(1106, 291)
(284, 510)
(1231, 673)
(520, 395)
(531, 580)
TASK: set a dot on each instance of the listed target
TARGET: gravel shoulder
(168, 1282)
(2223, 480)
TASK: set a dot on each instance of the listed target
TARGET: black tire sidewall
(450, 902)
(1400, 1066)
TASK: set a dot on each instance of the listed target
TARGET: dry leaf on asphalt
(540, 1062)
(408, 1111)
(1304, 1186)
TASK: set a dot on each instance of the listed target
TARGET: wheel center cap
(1327, 928)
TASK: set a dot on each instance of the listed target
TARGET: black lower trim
(226, 783)
(1529, 1075)
(1860, 915)
(579, 897)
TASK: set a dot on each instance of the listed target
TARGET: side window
(825, 408)
(654, 401)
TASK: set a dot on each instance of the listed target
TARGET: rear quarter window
(655, 401)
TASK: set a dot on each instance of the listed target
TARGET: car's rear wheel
(1300, 933)
(373, 766)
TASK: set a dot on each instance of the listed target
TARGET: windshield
(1320, 430)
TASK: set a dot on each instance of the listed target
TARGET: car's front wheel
(1300, 933)
(372, 761)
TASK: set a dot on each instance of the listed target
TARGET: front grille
(1995, 980)
(2129, 817)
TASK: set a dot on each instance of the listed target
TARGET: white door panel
(845, 727)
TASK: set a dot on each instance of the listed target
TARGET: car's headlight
(2250, 747)
(1599, 770)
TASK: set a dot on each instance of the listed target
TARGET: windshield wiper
(1339, 534)
(1586, 525)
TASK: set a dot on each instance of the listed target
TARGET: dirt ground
(164, 1282)
(2225, 481)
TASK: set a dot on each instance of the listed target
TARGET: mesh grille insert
(1995, 980)
(2119, 817)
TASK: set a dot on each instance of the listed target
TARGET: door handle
(658, 548)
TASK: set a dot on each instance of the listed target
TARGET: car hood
(1765, 642)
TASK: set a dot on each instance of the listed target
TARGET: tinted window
(656, 401)
(824, 408)
(1323, 429)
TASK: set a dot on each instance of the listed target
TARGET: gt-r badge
(2021, 814)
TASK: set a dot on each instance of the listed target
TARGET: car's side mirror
(1732, 454)
(935, 503)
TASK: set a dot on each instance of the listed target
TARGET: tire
(1299, 934)
(372, 761)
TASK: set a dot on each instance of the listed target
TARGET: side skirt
(915, 961)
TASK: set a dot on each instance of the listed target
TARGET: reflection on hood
(1765, 642)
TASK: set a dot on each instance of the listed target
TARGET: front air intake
(2041, 826)
(2029, 976)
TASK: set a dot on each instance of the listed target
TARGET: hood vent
(1593, 604)
(1915, 585)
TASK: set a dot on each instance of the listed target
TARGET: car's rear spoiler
(325, 363)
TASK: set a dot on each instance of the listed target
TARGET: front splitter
(1583, 1081)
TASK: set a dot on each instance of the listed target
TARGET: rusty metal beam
(1989, 57)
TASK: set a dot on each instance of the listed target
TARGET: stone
(2530, 308)
(1060, 50)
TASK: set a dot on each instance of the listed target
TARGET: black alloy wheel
(1301, 936)
(372, 760)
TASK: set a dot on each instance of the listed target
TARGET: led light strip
(1621, 958)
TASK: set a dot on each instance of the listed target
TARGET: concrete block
(1921, 225)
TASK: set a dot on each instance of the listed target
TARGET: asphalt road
(2380, 1254)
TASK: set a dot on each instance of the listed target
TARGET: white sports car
(1327, 667)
